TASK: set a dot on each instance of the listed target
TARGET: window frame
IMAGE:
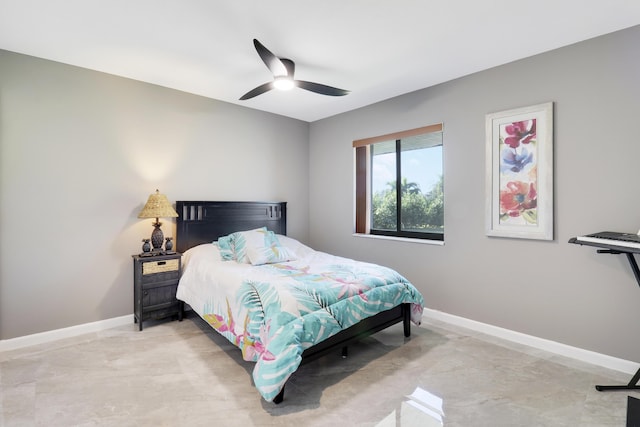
(363, 196)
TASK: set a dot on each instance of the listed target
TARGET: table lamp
(157, 206)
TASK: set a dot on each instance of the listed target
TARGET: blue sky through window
(424, 166)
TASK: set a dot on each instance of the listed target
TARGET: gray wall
(549, 289)
(81, 151)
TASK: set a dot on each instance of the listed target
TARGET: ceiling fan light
(283, 83)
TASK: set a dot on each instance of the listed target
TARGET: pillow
(273, 253)
(256, 247)
(226, 246)
(242, 240)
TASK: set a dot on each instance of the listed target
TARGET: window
(414, 208)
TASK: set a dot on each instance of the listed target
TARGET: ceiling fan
(283, 70)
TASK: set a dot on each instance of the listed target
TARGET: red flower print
(520, 133)
(518, 196)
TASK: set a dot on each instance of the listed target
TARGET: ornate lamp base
(157, 237)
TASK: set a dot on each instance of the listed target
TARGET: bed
(281, 302)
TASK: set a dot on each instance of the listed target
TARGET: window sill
(401, 239)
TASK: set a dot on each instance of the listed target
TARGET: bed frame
(203, 222)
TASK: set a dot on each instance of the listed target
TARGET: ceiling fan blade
(257, 91)
(272, 62)
(289, 65)
(321, 89)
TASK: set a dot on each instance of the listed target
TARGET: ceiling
(375, 49)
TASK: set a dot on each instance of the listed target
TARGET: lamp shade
(157, 206)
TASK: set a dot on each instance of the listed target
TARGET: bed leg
(280, 397)
(406, 320)
(345, 352)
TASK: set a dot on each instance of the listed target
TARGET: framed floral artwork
(519, 181)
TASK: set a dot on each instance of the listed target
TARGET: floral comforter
(273, 312)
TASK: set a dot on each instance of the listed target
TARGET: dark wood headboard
(203, 222)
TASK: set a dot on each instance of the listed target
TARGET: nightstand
(155, 281)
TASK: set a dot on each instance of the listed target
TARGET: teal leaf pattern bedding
(273, 312)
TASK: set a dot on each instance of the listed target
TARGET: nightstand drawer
(154, 267)
(159, 272)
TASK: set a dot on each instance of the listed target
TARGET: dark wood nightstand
(155, 281)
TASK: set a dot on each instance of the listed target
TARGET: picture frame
(519, 173)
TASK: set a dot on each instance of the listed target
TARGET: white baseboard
(57, 334)
(587, 356)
